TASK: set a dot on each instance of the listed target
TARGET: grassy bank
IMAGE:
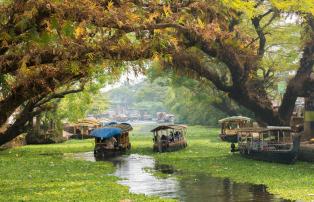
(207, 154)
(41, 173)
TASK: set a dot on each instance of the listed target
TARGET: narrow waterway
(135, 172)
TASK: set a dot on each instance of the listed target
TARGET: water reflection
(132, 170)
(205, 188)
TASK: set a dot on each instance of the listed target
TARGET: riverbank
(43, 173)
(206, 154)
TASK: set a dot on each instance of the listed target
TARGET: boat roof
(165, 127)
(87, 123)
(125, 127)
(278, 128)
(235, 118)
(268, 128)
(106, 132)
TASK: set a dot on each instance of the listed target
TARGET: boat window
(265, 136)
(255, 135)
(242, 138)
(232, 125)
(280, 136)
(286, 136)
(162, 132)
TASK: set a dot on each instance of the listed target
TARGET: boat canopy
(106, 132)
(125, 127)
(278, 128)
(165, 127)
(234, 118)
(269, 128)
(111, 123)
(86, 123)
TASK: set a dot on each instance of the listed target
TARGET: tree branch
(260, 32)
(58, 95)
(188, 60)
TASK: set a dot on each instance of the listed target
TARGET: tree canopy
(46, 45)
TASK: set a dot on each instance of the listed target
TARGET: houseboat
(112, 140)
(273, 144)
(230, 125)
(169, 138)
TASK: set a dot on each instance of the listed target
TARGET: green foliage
(75, 106)
(306, 6)
(193, 107)
(99, 104)
(151, 96)
(51, 44)
(195, 101)
(143, 96)
(90, 101)
(246, 7)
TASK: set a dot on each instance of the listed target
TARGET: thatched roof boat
(169, 138)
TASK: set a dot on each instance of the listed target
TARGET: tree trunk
(263, 112)
(37, 124)
(18, 127)
(309, 118)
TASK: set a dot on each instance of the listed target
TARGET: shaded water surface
(134, 171)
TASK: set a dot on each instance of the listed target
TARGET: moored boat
(230, 125)
(273, 144)
(169, 138)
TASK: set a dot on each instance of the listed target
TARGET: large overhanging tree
(46, 44)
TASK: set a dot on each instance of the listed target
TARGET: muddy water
(134, 171)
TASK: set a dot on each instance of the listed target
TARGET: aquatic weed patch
(206, 154)
(41, 173)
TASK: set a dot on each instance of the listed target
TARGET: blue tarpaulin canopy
(106, 132)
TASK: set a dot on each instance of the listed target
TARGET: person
(110, 143)
(164, 138)
(171, 137)
(177, 135)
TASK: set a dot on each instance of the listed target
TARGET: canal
(136, 172)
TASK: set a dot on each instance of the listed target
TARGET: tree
(217, 36)
(47, 44)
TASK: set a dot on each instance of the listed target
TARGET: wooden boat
(169, 138)
(230, 125)
(82, 128)
(274, 144)
(112, 140)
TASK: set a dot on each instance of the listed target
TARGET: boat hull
(229, 138)
(278, 157)
(164, 147)
(100, 152)
(286, 157)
